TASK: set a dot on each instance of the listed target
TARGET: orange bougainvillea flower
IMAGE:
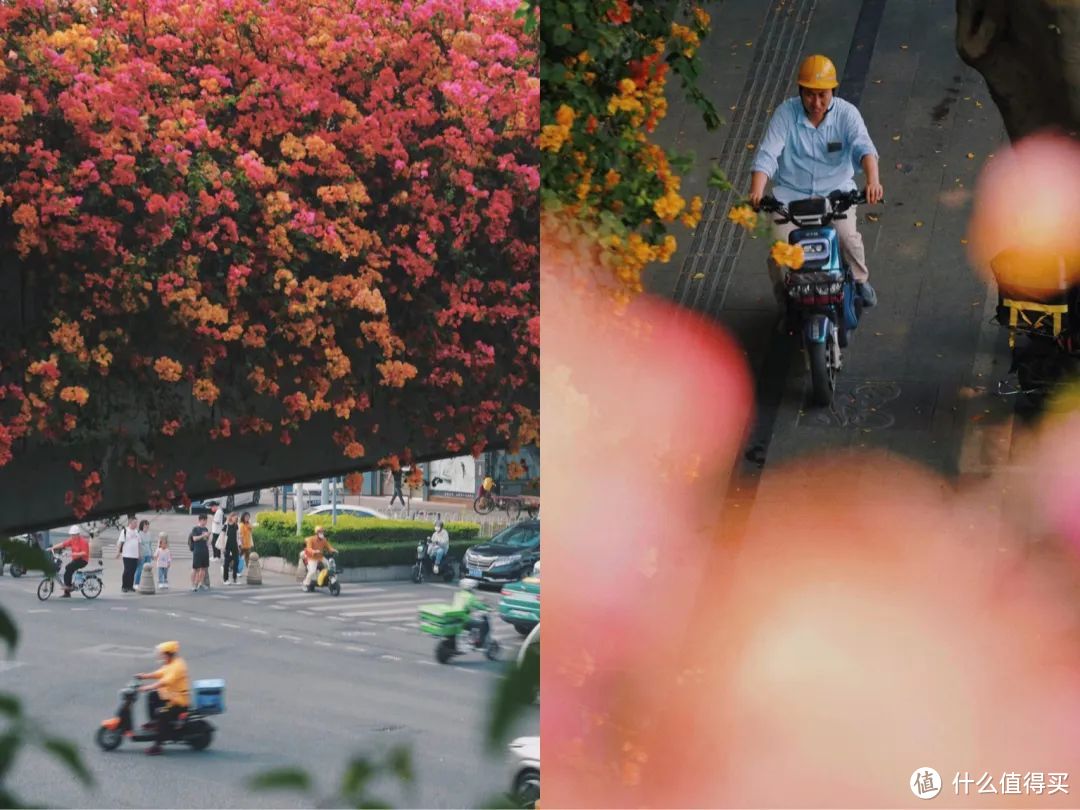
(354, 482)
(787, 255)
(168, 369)
(206, 391)
(744, 216)
(75, 394)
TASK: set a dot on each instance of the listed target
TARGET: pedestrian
(232, 549)
(198, 541)
(127, 547)
(396, 476)
(146, 550)
(163, 558)
(217, 525)
(811, 148)
(247, 541)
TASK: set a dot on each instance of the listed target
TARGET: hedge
(359, 541)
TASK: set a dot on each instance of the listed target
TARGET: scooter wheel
(448, 572)
(201, 738)
(335, 588)
(45, 589)
(417, 575)
(91, 587)
(108, 739)
(17, 570)
(492, 651)
(444, 650)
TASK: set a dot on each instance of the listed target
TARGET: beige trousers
(851, 247)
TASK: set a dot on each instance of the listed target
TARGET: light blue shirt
(808, 161)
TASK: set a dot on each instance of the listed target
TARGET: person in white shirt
(127, 546)
(217, 526)
(438, 545)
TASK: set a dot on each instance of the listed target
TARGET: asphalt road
(311, 681)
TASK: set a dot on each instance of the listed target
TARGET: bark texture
(1028, 51)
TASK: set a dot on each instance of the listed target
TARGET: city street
(311, 681)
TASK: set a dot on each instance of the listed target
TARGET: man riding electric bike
(168, 695)
(810, 149)
(315, 547)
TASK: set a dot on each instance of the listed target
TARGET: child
(164, 559)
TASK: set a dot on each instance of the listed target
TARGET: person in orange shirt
(169, 694)
(80, 555)
(315, 546)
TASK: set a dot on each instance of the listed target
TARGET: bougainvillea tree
(236, 216)
(605, 66)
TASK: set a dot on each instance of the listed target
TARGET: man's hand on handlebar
(875, 193)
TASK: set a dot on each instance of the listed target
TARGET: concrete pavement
(311, 680)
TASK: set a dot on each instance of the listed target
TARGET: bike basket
(815, 289)
(208, 696)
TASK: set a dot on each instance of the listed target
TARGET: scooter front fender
(817, 328)
(112, 723)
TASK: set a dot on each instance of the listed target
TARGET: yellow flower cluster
(670, 205)
(787, 255)
(744, 216)
(687, 36)
(337, 364)
(553, 136)
(76, 394)
(103, 357)
(68, 337)
(205, 391)
(628, 100)
(168, 369)
(702, 18)
(292, 147)
(395, 373)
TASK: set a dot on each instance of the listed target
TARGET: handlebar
(839, 200)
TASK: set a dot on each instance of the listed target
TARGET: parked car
(506, 557)
(313, 492)
(525, 771)
(520, 603)
(347, 509)
(229, 502)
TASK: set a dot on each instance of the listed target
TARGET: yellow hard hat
(170, 647)
(488, 484)
(817, 72)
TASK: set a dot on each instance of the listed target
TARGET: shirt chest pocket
(831, 151)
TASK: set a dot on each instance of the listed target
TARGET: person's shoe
(65, 595)
(194, 588)
(435, 568)
(154, 750)
(866, 292)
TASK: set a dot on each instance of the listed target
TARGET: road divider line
(323, 644)
(231, 626)
(258, 630)
(197, 619)
(354, 648)
(118, 608)
(42, 610)
(81, 609)
(149, 610)
(425, 662)
(387, 657)
(287, 637)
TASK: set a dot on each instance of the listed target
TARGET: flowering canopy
(248, 212)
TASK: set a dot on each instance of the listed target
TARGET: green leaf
(515, 692)
(560, 36)
(67, 753)
(9, 747)
(357, 775)
(8, 631)
(10, 705)
(281, 779)
(719, 180)
(399, 760)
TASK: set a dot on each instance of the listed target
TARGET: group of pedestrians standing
(137, 548)
(230, 540)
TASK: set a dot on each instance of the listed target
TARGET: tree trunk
(1028, 51)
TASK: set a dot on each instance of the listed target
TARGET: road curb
(373, 573)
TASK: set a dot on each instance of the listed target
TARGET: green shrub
(359, 541)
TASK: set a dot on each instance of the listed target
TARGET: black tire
(493, 649)
(822, 376)
(17, 570)
(524, 629)
(527, 788)
(335, 588)
(230, 503)
(91, 587)
(484, 505)
(417, 574)
(45, 589)
(444, 650)
(108, 739)
(199, 735)
(256, 497)
(448, 569)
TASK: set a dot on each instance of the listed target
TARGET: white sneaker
(436, 569)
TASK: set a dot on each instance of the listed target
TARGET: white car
(347, 509)
(525, 771)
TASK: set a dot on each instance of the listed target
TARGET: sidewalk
(922, 364)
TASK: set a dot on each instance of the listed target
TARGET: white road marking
(425, 662)
(287, 637)
(306, 613)
(81, 609)
(118, 608)
(42, 610)
(250, 602)
(149, 610)
(323, 644)
(354, 648)
(337, 618)
(231, 626)
(278, 607)
(389, 658)
(259, 631)
(197, 619)
(357, 601)
(402, 610)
